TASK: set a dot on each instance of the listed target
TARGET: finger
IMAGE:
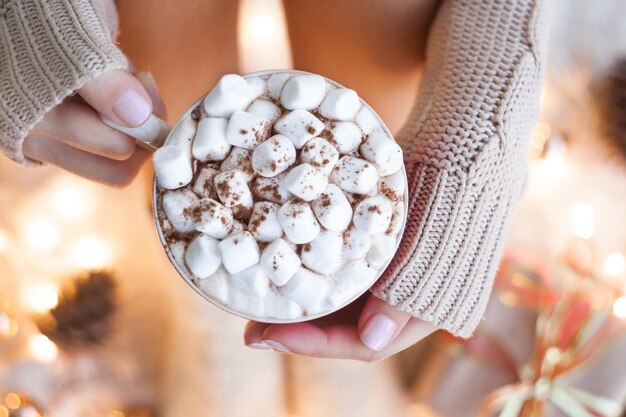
(339, 341)
(87, 165)
(119, 96)
(149, 83)
(380, 323)
(75, 123)
(334, 341)
(253, 335)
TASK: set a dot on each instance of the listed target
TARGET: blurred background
(95, 322)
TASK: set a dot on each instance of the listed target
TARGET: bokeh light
(614, 264)
(41, 235)
(42, 349)
(619, 307)
(69, 203)
(39, 297)
(581, 216)
(91, 252)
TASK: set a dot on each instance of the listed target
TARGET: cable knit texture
(48, 50)
(465, 151)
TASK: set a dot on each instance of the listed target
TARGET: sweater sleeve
(465, 152)
(48, 50)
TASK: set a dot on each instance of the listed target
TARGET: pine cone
(83, 316)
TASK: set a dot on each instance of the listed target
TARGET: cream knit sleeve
(48, 49)
(465, 152)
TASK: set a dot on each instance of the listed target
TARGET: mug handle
(150, 135)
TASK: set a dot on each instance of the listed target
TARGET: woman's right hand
(73, 137)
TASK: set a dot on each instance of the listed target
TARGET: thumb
(118, 95)
(380, 323)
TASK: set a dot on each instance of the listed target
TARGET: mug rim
(213, 300)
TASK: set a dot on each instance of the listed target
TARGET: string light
(581, 216)
(91, 252)
(619, 307)
(42, 349)
(40, 297)
(41, 235)
(614, 264)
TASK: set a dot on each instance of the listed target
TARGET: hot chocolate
(280, 196)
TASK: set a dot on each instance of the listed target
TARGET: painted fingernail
(378, 331)
(258, 345)
(132, 108)
(276, 346)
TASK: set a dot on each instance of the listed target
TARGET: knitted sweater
(48, 49)
(465, 140)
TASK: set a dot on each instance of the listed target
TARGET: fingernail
(258, 345)
(378, 331)
(132, 108)
(276, 346)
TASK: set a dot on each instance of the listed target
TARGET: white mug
(154, 133)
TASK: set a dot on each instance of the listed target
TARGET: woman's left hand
(368, 330)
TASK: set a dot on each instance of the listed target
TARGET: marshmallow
(271, 189)
(239, 159)
(264, 224)
(243, 210)
(172, 167)
(367, 121)
(355, 175)
(245, 303)
(299, 126)
(257, 87)
(352, 280)
(323, 254)
(232, 189)
(345, 136)
(305, 182)
(395, 226)
(273, 156)
(332, 209)
(321, 154)
(303, 92)
(177, 206)
(210, 143)
(216, 285)
(392, 186)
(279, 261)
(252, 280)
(278, 307)
(212, 218)
(356, 244)
(202, 256)
(182, 134)
(265, 108)
(237, 227)
(373, 215)
(298, 221)
(232, 93)
(239, 252)
(203, 184)
(382, 249)
(177, 251)
(276, 83)
(383, 152)
(340, 104)
(308, 289)
(247, 130)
